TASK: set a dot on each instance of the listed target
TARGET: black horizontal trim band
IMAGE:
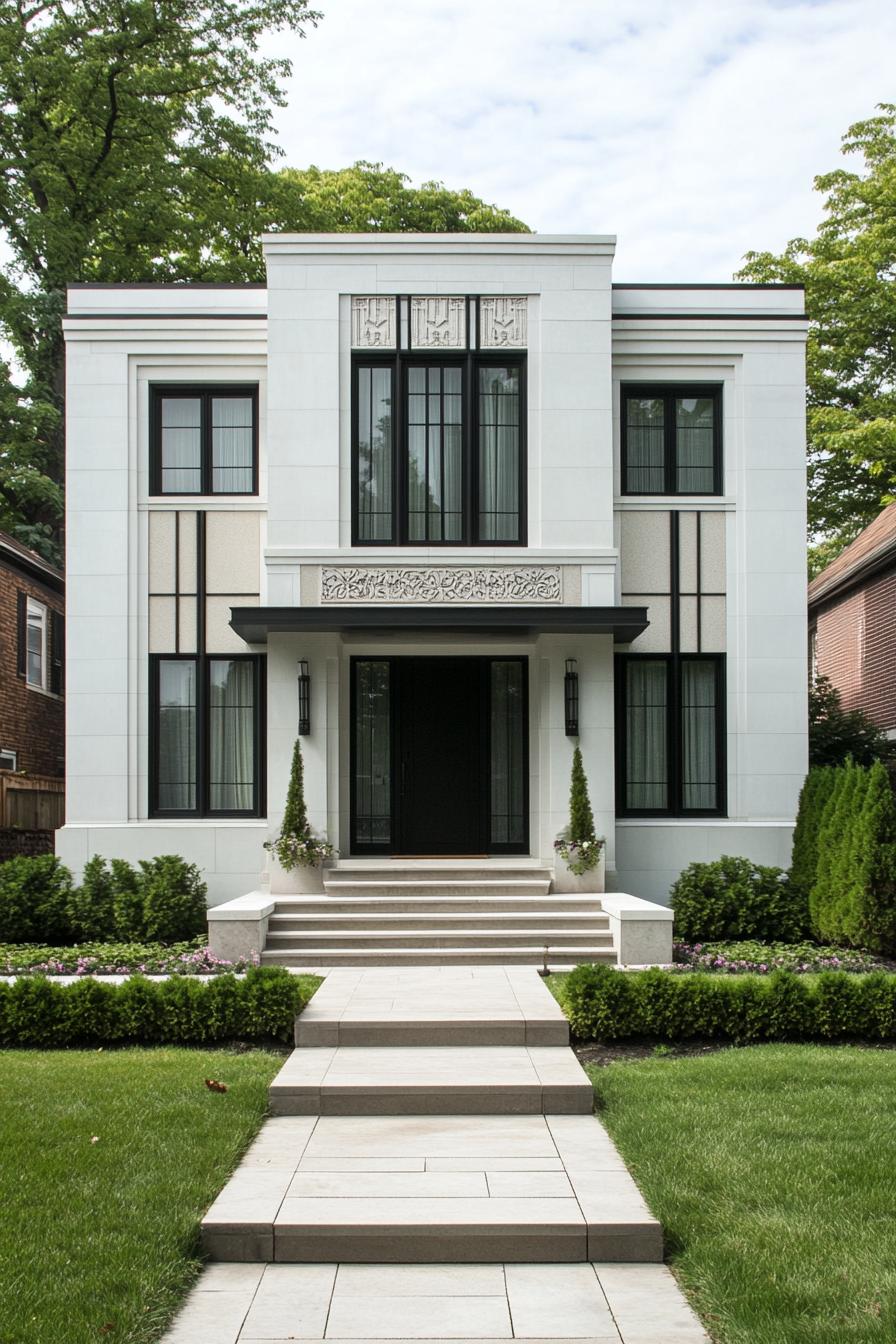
(254, 624)
(168, 284)
(659, 284)
(711, 317)
(166, 317)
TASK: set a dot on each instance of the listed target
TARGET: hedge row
(35, 1011)
(609, 1005)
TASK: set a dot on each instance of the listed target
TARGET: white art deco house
(436, 473)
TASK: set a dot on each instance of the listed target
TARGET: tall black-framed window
(439, 451)
(670, 734)
(203, 440)
(206, 735)
(671, 439)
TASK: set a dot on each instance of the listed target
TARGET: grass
(773, 1171)
(99, 1239)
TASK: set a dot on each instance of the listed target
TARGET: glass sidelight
(507, 738)
(372, 754)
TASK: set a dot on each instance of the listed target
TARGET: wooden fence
(31, 802)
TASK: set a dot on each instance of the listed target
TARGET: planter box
(301, 881)
(592, 881)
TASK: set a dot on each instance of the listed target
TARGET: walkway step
(456, 1005)
(467, 903)
(495, 956)
(452, 886)
(432, 939)
(435, 1080)
(530, 923)
(429, 1189)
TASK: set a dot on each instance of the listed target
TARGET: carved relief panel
(438, 324)
(492, 583)
(373, 323)
(503, 322)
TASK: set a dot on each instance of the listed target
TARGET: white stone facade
(133, 589)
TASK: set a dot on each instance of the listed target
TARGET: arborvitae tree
(581, 818)
(295, 817)
(867, 905)
(827, 839)
(837, 854)
(813, 799)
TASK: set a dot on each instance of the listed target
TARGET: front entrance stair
(426, 914)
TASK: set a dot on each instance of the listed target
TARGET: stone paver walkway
(432, 1171)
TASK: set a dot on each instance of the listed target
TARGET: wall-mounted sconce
(571, 697)
(304, 698)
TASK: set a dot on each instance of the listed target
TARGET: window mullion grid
(671, 446)
(401, 500)
(470, 449)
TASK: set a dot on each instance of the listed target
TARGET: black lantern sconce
(571, 698)
(304, 698)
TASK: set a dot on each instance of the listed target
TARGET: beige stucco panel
(687, 552)
(219, 638)
(162, 625)
(187, 617)
(712, 552)
(687, 630)
(657, 638)
(232, 552)
(186, 523)
(645, 552)
(712, 624)
(162, 552)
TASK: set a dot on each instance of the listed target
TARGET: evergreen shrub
(606, 1004)
(813, 800)
(36, 1012)
(734, 898)
(34, 899)
(91, 905)
(173, 898)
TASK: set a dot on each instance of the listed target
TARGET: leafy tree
(132, 133)
(837, 734)
(848, 270)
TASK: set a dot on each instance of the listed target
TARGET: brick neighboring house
(32, 624)
(852, 622)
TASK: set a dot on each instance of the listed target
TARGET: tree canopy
(837, 735)
(135, 140)
(849, 270)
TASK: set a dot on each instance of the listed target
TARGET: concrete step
(432, 1080)
(445, 1005)
(309, 958)
(431, 1189)
(466, 903)
(444, 870)
(444, 886)
(432, 938)
(533, 921)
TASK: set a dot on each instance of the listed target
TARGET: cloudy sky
(690, 128)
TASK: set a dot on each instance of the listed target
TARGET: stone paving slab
(524, 1187)
(600, 1303)
(450, 1005)
(416, 1080)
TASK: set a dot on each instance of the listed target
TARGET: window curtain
(177, 736)
(231, 735)
(374, 464)
(373, 756)
(698, 735)
(499, 454)
(647, 769)
(232, 445)
(694, 434)
(645, 451)
(181, 445)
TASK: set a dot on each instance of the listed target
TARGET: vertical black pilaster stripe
(698, 517)
(673, 712)
(202, 671)
(176, 580)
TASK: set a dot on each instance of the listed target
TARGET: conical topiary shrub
(296, 846)
(579, 846)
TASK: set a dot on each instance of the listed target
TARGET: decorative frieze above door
(428, 583)
(439, 322)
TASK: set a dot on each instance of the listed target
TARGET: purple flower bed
(753, 958)
(193, 958)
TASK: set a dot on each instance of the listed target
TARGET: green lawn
(773, 1171)
(98, 1240)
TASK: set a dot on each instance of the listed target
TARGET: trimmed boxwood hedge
(262, 1006)
(605, 1004)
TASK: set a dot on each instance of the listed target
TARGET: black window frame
(205, 392)
(470, 362)
(669, 393)
(674, 734)
(203, 673)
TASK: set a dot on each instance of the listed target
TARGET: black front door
(439, 756)
(440, 743)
